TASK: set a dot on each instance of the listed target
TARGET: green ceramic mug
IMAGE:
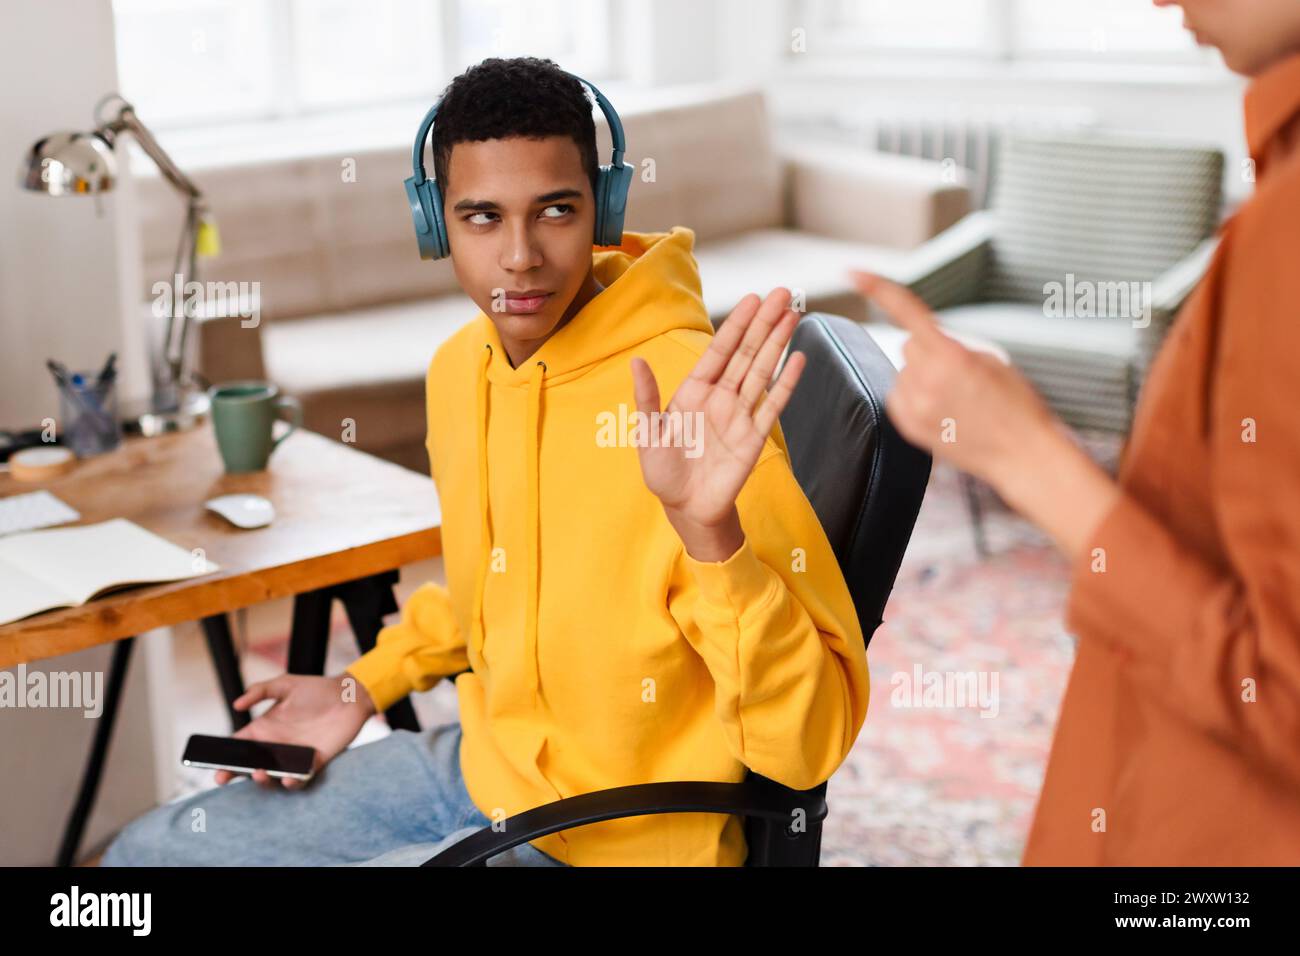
(243, 414)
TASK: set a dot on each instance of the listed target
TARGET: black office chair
(866, 484)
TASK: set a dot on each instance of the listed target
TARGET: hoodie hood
(651, 286)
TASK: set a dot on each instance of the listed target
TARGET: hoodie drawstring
(534, 522)
(532, 443)
(485, 537)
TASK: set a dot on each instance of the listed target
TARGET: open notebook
(66, 567)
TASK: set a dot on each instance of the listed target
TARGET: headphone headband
(611, 116)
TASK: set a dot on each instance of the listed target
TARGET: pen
(108, 372)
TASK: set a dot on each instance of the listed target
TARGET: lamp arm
(177, 332)
(179, 321)
(127, 120)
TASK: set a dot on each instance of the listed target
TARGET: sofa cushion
(375, 346)
(694, 154)
(759, 261)
(880, 199)
(314, 240)
(367, 365)
(1084, 367)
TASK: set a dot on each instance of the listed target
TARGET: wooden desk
(340, 515)
(345, 522)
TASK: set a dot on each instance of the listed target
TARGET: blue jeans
(394, 802)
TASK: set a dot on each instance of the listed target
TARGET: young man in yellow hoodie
(632, 597)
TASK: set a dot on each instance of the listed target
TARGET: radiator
(967, 141)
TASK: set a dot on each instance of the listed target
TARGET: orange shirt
(1179, 737)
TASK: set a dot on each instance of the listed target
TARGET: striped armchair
(1089, 247)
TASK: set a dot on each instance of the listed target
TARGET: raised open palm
(696, 468)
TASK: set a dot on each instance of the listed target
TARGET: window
(999, 29)
(345, 53)
(1100, 27)
(574, 33)
(194, 63)
(209, 62)
(910, 25)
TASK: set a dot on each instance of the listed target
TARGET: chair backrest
(863, 479)
(865, 483)
(1102, 208)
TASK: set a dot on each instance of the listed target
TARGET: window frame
(446, 59)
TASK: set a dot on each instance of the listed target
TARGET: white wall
(43, 752)
(64, 270)
(64, 278)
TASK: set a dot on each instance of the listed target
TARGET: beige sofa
(350, 315)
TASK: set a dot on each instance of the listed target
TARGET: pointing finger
(904, 308)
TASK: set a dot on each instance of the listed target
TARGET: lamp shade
(67, 164)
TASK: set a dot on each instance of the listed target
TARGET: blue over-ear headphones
(612, 183)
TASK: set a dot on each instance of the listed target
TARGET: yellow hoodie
(599, 653)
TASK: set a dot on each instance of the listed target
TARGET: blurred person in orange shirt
(1179, 737)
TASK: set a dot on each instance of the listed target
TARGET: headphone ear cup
(426, 212)
(441, 243)
(612, 184)
(602, 200)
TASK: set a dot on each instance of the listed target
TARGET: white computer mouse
(243, 511)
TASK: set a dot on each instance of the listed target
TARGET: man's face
(520, 219)
(1251, 34)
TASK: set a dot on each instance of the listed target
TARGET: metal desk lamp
(79, 163)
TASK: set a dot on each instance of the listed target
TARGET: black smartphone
(245, 756)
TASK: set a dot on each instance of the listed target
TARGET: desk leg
(222, 648)
(76, 825)
(309, 635)
(367, 600)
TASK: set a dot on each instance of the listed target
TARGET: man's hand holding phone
(324, 713)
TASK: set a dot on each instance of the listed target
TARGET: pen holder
(88, 412)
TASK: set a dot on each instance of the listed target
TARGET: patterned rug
(952, 778)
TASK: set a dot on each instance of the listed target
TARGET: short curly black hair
(522, 96)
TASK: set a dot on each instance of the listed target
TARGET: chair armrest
(873, 198)
(1169, 291)
(755, 796)
(949, 269)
